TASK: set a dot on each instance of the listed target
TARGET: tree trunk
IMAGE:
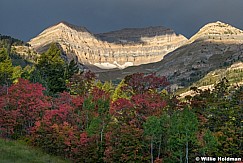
(151, 150)
(181, 161)
(101, 132)
(187, 152)
(160, 142)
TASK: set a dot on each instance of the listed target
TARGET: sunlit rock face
(216, 45)
(116, 49)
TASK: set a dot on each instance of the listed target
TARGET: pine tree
(6, 68)
(71, 69)
(52, 69)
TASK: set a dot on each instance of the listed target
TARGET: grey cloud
(24, 19)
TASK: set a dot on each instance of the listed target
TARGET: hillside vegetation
(233, 73)
(215, 46)
(19, 51)
(69, 113)
(20, 152)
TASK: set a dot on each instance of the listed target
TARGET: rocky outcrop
(117, 49)
(216, 45)
(218, 31)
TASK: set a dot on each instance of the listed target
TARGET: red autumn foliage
(148, 104)
(57, 131)
(83, 138)
(140, 83)
(89, 127)
(21, 107)
(119, 105)
(99, 94)
(61, 131)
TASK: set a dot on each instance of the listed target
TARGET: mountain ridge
(110, 51)
(203, 52)
(215, 28)
(214, 46)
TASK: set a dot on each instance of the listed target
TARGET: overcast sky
(24, 19)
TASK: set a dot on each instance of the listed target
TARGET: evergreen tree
(71, 69)
(6, 68)
(52, 69)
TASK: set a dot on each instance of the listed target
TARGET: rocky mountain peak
(214, 46)
(116, 49)
(217, 31)
(73, 27)
(221, 28)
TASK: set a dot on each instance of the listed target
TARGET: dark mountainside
(215, 46)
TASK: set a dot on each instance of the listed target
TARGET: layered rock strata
(117, 49)
(214, 46)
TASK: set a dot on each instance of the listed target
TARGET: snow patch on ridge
(107, 65)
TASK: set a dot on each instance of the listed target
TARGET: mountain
(19, 51)
(7, 41)
(214, 46)
(154, 49)
(116, 49)
(233, 73)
